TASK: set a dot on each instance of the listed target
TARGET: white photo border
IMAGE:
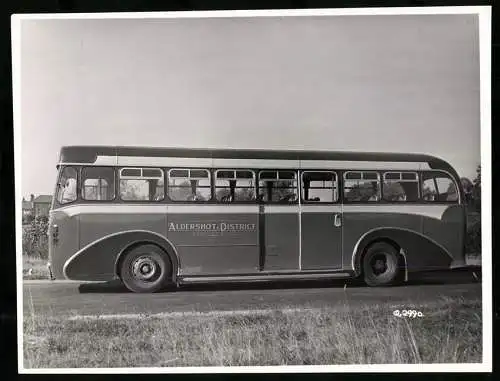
(484, 14)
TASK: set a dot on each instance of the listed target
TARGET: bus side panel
(421, 253)
(94, 226)
(65, 244)
(448, 231)
(215, 241)
(431, 236)
(360, 220)
(90, 264)
(281, 241)
(97, 229)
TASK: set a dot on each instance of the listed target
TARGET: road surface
(66, 298)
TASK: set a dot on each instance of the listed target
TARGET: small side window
(233, 185)
(439, 187)
(400, 186)
(319, 186)
(361, 186)
(98, 183)
(144, 184)
(278, 186)
(189, 185)
(429, 191)
(66, 187)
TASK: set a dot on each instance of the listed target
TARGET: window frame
(337, 182)
(210, 185)
(82, 187)
(141, 177)
(297, 187)
(345, 200)
(235, 170)
(417, 181)
(435, 173)
(77, 198)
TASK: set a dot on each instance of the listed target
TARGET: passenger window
(278, 186)
(400, 186)
(232, 185)
(141, 184)
(98, 183)
(319, 186)
(66, 188)
(439, 187)
(429, 189)
(189, 185)
(361, 186)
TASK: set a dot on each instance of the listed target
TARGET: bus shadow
(467, 275)
(459, 276)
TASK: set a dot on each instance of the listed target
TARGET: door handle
(337, 221)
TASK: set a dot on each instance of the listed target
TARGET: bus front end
(63, 225)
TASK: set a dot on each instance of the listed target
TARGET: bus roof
(82, 155)
(89, 154)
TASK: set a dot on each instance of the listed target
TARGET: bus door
(321, 221)
(279, 220)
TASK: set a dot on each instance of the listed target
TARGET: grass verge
(449, 332)
(35, 268)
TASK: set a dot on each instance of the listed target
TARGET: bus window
(439, 187)
(361, 186)
(400, 186)
(278, 186)
(141, 184)
(66, 188)
(189, 185)
(98, 183)
(319, 186)
(232, 185)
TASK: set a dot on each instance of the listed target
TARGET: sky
(402, 83)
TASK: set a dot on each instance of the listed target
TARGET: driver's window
(66, 190)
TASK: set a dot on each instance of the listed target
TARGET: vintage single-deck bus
(154, 217)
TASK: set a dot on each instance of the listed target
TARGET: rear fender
(420, 252)
(99, 260)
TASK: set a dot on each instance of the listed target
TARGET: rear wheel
(145, 269)
(381, 265)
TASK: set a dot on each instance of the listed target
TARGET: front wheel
(145, 269)
(381, 265)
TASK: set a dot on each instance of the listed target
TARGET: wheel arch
(150, 238)
(370, 238)
(419, 252)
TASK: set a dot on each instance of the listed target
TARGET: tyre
(381, 265)
(145, 269)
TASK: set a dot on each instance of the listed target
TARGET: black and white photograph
(261, 191)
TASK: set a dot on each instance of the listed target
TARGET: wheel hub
(379, 265)
(144, 268)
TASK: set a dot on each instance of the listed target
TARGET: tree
(476, 189)
(467, 187)
(35, 240)
(28, 218)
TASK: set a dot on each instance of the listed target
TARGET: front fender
(421, 252)
(98, 260)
